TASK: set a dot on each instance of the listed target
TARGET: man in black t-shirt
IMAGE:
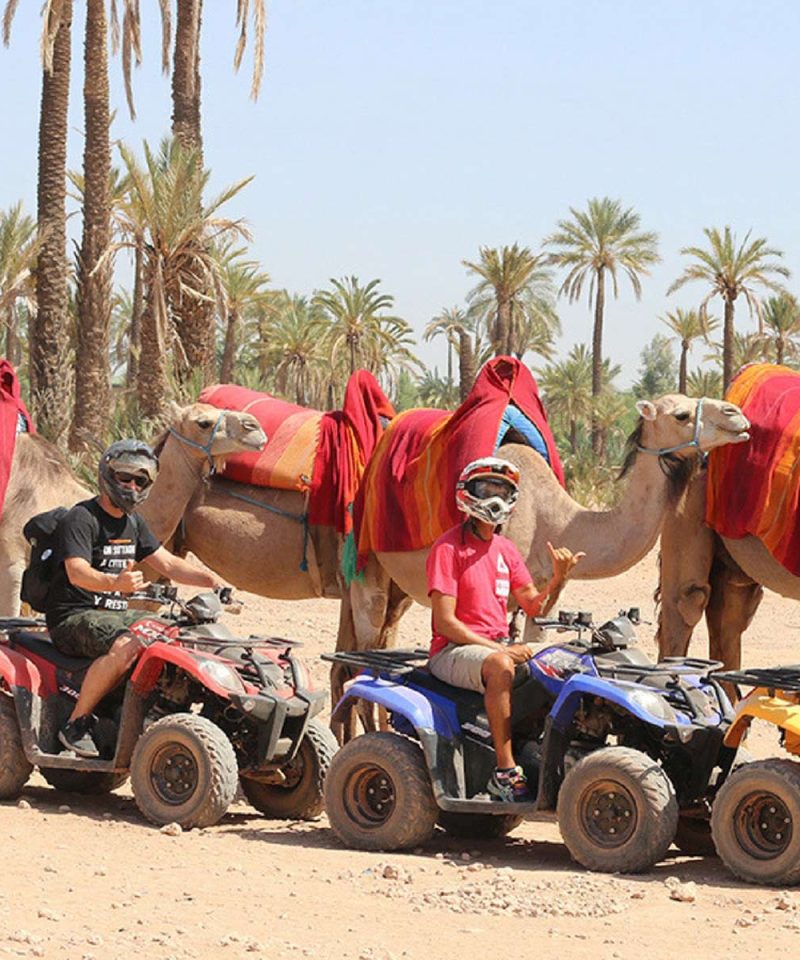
(99, 541)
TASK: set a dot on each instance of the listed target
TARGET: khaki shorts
(460, 664)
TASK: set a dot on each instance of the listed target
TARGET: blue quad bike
(626, 755)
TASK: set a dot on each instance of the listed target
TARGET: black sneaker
(75, 737)
(510, 786)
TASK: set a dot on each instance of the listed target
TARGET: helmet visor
(485, 489)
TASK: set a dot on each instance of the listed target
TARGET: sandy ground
(89, 878)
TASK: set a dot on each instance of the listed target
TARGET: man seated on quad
(471, 571)
(99, 540)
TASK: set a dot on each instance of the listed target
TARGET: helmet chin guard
(130, 458)
(487, 490)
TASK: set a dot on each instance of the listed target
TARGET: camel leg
(687, 552)
(734, 601)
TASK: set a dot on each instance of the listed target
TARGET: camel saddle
(753, 489)
(407, 497)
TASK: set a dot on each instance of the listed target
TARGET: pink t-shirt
(480, 575)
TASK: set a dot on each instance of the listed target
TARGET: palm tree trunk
(186, 123)
(352, 343)
(49, 332)
(573, 435)
(13, 347)
(502, 328)
(229, 350)
(92, 385)
(135, 332)
(597, 354)
(779, 349)
(466, 365)
(682, 371)
(194, 318)
(151, 385)
(727, 346)
(449, 363)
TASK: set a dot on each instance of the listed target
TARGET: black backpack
(41, 533)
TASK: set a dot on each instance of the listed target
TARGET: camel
(702, 572)
(41, 479)
(663, 452)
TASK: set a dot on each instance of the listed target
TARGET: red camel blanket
(323, 453)
(754, 488)
(14, 417)
(407, 496)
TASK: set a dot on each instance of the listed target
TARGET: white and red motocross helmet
(487, 489)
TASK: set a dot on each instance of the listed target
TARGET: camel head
(210, 433)
(680, 426)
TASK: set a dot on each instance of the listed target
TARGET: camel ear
(646, 409)
(173, 412)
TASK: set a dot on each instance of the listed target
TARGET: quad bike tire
(617, 811)
(14, 767)
(184, 770)
(301, 796)
(478, 826)
(90, 782)
(693, 836)
(378, 794)
(755, 822)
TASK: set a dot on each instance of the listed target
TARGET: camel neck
(179, 477)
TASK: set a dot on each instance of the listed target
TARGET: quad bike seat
(41, 645)
(469, 704)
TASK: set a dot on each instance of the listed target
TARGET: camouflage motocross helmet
(127, 471)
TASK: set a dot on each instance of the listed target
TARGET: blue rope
(295, 517)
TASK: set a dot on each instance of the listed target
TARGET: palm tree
(434, 391)
(600, 241)
(49, 338)
(355, 315)
(731, 270)
(782, 326)
(243, 285)
(688, 326)
(193, 315)
(514, 287)
(18, 249)
(567, 390)
(704, 383)
(747, 348)
(295, 347)
(94, 279)
(448, 323)
(164, 213)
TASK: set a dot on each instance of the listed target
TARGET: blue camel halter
(688, 444)
(205, 447)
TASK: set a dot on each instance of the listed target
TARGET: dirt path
(88, 878)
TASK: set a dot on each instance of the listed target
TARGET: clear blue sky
(392, 139)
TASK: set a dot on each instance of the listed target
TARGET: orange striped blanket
(754, 488)
(322, 453)
(407, 496)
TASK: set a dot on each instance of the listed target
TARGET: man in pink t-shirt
(472, 570)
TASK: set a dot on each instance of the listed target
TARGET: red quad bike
(202, 711)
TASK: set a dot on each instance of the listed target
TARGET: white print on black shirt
(502, 586)
(115, 557)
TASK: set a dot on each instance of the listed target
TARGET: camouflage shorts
(91, 633)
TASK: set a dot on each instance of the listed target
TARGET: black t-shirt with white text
(105, 542)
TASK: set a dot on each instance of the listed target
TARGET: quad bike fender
(778, 710)
(152, 661)
(17, 671)
(627, 696)
(426, 713)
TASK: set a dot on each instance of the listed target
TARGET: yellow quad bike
(755, 819)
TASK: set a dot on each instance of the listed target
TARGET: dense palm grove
(201, 309)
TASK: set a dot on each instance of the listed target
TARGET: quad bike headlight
(222, 675)
(655, 705)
